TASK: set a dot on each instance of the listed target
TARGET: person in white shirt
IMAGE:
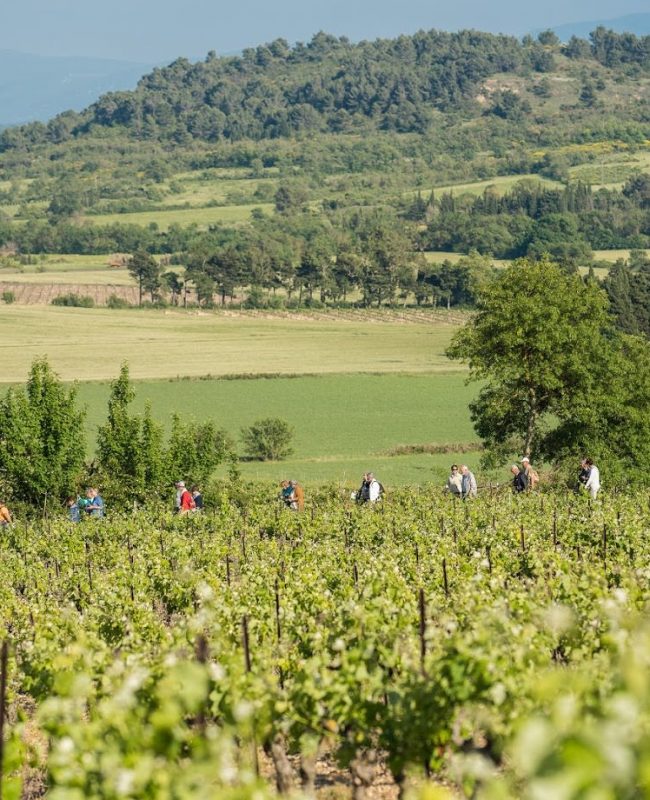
(468, 483)
(370, 489)
(454, 482)
(593, 481)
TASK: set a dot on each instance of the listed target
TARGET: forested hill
(332, 85)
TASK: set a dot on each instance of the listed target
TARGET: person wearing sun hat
(532, 478)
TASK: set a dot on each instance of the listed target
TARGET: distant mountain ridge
(40, 87)
(638, 24)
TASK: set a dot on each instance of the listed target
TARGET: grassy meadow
(200, 215)
(345, 421)
(344, 424)
(90, 344)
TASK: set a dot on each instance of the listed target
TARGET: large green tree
(41, 438)
(533, 345)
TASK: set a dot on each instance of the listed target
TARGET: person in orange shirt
(5, 515)
(298, 495)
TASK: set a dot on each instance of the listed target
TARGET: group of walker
(461, 483)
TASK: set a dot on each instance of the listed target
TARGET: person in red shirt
(184, 500)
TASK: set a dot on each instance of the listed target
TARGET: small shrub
(8, 298)
(276, 302)
(115, 301)
(74, 300)
(256, 298)
(268, 439)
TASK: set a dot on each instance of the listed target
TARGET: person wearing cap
(184, 500)
(454, 483)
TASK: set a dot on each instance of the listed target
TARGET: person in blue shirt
(96, 506)
(198, 498)
(74, 513)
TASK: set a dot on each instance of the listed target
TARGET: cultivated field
(345, 422)
(502, 643)
(90, 344)
(201, 216)
(42, 293)
(500, 184)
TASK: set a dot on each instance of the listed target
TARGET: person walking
(287, 493)
(454, 483)
(298, 495)
(74, 512)
(184, 500)
(519, 480)
(5, 515)
(197, 497)
(468, 483)
(532, 478)
(95, 508)
(370, 490)
(592, 484)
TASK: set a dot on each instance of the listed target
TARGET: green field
(90, 344)
(198, 192)
(344, 424)
(210, 215)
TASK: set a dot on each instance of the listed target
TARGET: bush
(8, 298)
(276, 302)
(256, 298)
(268, 439)
(75, 300)
(114, 301)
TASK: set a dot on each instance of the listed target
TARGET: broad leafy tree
(533, 345)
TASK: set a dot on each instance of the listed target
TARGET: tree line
(531, 220)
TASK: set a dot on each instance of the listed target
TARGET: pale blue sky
(160, 30)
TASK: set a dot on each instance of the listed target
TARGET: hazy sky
(160, 30)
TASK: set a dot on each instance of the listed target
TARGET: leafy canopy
(533, 345)
(41, 437)
(557, 378)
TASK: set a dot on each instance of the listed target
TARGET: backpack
(533, 478)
